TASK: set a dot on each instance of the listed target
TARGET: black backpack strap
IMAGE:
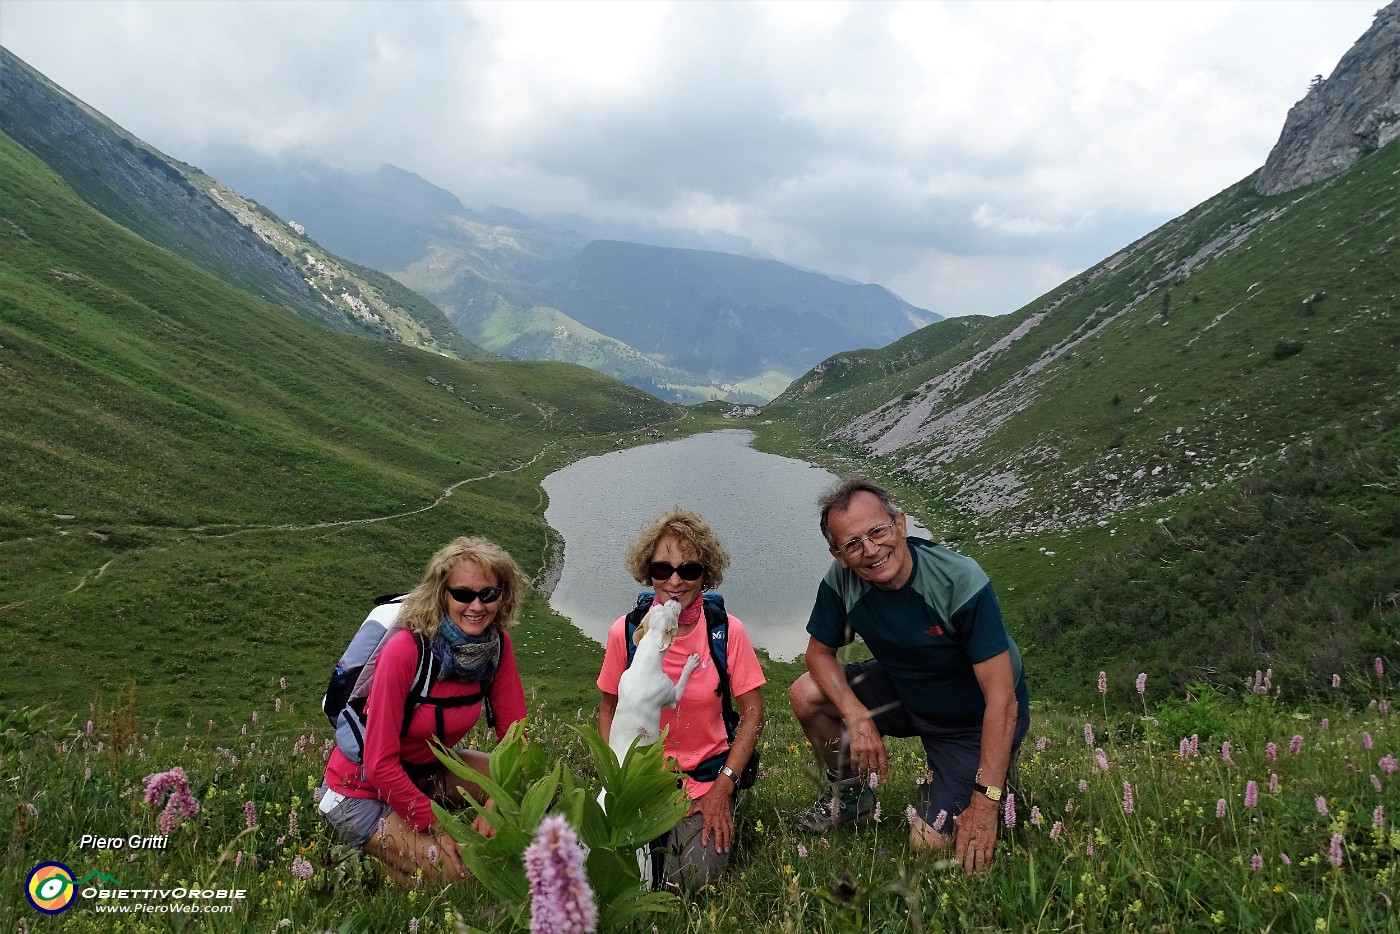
(717, 638)
(633, 620)
(426, 675)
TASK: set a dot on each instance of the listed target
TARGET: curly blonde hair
(692, 530)
(424, 608)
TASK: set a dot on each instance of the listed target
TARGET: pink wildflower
(1220, 808)
(255, 716)
(939, 820)
(179, 805)
(1334, 851)
(1375, 783)
(89, 728)
(1101, 759)
(412, 922)
(283, 684)
(1057, 829)
(874, 780)
(1225, 750)
(1271, 751)
(1384, 708)
(1366, 739)
(1378, 817)
(238, 859)
(1380, 667)
(1388, 765)
(910, 814)
(877, 815)
(1295, 746)
(1283, 858)
(801, 851)
(561, 901)
(1103, 683)
(1251, 794)
(1127, 798)
(1321, 803)
(292, 825)
(250, 814)
(1273, 783)
(1336, 681)
(1008, 810)
(301, 868)
(277, 705)
(1083, 785)
(1041, 743)
(1142, 683)
(1256, 862)
(1326, 723)
(1089, 845)
(1035, 816)
(1088, 735)
(1069, 805)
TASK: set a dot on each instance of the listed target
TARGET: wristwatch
(991, 791)
(730, 774)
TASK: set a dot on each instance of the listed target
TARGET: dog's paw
(692, 662)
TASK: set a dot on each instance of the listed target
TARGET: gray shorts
(953, 751)
(355, 819)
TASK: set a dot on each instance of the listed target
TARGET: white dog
(645, 690)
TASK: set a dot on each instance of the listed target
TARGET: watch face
(994, 794)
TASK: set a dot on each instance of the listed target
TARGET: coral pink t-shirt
(697, 723)
(383, 776)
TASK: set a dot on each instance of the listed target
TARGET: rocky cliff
(1353, 112)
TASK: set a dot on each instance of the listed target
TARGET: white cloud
(963, 154)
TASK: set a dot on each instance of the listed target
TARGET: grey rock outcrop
(1353, 112)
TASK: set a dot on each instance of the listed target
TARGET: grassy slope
(1177, 410)
(224, 464)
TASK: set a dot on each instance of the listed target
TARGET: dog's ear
(641, 629)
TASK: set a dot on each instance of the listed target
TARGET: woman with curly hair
(680, 557)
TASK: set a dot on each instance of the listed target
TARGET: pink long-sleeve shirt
(384, 777)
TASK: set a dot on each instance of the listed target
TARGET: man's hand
(975, 838)
(868, 752)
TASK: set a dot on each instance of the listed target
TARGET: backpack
(717, 628)
(348, 690)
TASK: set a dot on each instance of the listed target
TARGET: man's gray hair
(839, 497)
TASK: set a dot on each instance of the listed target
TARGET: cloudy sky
(969, 156)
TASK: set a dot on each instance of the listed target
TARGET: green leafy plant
(643, 802)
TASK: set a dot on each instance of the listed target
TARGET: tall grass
(1292, 827)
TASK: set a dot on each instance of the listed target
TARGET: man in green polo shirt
(945, 669)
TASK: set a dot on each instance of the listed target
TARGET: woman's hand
(717, 815)
(449, 855)
(483, 826)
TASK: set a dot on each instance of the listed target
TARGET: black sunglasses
(690, 571)
(465, 595)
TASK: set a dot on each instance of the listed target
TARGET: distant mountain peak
(1344, 117)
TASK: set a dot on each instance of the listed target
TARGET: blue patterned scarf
(467, 658)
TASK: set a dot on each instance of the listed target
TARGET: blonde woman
(468, 598)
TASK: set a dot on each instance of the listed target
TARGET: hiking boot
(843, 802)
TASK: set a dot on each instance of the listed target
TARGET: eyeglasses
(661, 571)
(876, 536)
(465, 595)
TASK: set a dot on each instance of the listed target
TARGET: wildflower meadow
(1206, 810)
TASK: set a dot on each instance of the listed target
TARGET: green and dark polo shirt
(927, 634)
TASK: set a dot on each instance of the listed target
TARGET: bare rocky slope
(1173, 366)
